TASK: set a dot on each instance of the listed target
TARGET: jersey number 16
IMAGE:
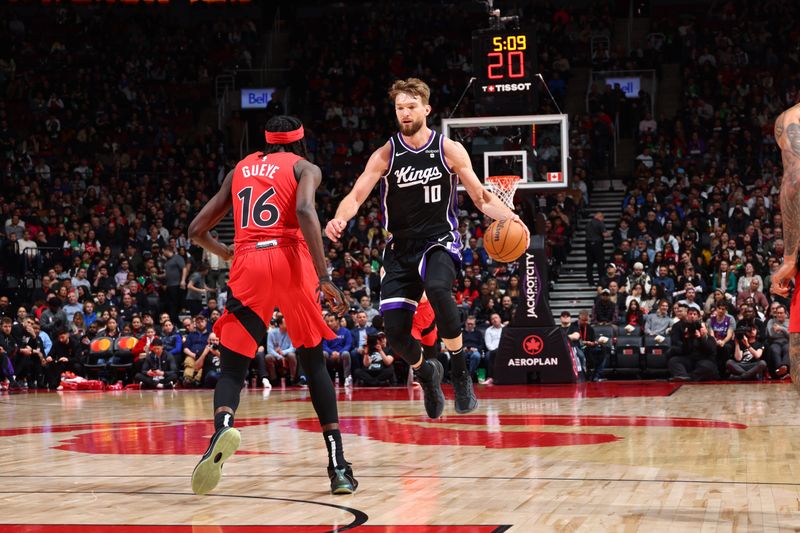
(264, 214)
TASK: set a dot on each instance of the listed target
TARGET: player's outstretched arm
(488, 203)
(209, 216)
(787, 135)
(376, 166)
(309, 177)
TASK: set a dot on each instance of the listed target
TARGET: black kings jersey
(418, 193)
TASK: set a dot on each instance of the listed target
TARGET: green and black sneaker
(342, 480)
(206, 474)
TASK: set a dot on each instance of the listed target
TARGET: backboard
(534, 147)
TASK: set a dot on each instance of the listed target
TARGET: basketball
(505, 240)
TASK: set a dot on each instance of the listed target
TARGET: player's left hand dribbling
(334, 296)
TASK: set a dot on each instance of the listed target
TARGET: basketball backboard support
(534, 147)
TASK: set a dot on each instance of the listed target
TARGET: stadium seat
(122, 350)
(655, 354)
(628, 354)
(99, 348)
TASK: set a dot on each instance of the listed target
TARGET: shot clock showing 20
(505, 70)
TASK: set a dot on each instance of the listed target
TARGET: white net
(503, 187)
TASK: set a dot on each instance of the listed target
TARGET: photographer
(209, 362)
(377, 364)
(692, 350)
(65, 356)
(159, 369)
(778, 335)
(747, 352)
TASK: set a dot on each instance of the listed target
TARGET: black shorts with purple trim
(404, 268)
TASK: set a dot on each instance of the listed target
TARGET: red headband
(284, 137)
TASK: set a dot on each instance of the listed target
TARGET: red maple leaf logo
(533, 344)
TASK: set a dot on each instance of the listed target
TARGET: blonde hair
(413, 86)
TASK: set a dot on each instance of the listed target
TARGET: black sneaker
(432, 389)
(206, 474)
(466, 401)
(342, 480)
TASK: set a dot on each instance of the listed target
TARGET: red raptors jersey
(264, 191)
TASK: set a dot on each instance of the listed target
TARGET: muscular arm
(376, 166)
(787, 135)
(209, 216)
(458, 159)
(309, 177)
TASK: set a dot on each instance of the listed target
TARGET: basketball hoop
(504, 188)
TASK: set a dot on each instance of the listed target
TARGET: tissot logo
(408, 176)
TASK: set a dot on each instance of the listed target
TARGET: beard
(410, 129)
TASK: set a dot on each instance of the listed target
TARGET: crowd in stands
(701, 230)
(103, 167)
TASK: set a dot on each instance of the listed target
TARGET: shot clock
(504, 63)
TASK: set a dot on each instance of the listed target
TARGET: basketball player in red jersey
(277, 249)
(787, 135)
(419, 170)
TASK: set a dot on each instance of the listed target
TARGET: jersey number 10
(259, 208)
(433, 193)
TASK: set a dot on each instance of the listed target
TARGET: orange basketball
(505, 240)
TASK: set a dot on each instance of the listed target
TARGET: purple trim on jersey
(453, 248)
(384, 188)
(400, 137)
(397, 305)
(423, 264)
(452, 203)
(391, 158)
(441, 154)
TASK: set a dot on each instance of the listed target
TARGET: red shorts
(424, 328)
(283, 276)
(794, 311)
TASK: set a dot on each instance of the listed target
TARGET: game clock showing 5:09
(504, 67)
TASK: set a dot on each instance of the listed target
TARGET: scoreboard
(504, 66)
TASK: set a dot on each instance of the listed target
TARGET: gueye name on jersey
(265, 169)
(408, 176)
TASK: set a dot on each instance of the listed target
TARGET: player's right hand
(334, 229)
(781, 278)
(334, 296)
(516, 218)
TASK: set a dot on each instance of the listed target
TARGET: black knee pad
(447, 318)
(401, 341)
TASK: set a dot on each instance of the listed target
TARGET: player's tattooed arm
(794, 359)
(788, 136)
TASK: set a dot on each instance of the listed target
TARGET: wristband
(326, 277)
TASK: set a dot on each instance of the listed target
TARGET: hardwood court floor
(593, 457)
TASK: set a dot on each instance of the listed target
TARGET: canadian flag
(554, 176)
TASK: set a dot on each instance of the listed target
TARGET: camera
(692, 328)
(741, 333)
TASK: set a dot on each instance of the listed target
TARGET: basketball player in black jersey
(419, 170)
